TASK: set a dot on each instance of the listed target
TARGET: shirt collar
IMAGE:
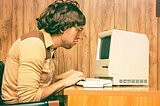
(48, 39)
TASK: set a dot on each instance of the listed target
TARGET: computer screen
(104, 48)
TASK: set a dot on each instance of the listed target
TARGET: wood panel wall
(18, 17)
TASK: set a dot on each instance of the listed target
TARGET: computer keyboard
(94, 82)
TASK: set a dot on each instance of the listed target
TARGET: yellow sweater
(27, 69)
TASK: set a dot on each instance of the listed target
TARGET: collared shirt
(27, 69)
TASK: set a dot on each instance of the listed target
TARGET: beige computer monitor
(128, 62)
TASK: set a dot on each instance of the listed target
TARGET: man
(29, 67)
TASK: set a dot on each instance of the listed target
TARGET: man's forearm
(69, 78)
(47, 91)
(63, 75)
(59, 77)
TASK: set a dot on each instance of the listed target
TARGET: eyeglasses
(79, 29)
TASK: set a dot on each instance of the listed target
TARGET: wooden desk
(112, 96)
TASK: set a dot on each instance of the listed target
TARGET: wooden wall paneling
(83, 44)
(5, 27)
(120, 14)
(32, 10)
(61, 66)
(158, 35)
(50, 2)
(68, 59)
(136, 16)
(1, 31)
(102, 18)
(151, 32)
(61, 61)
(17, 19)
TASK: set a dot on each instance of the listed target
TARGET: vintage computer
(123, 56)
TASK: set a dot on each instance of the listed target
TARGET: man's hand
(73, 77)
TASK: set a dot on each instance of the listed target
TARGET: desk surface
(113, 91)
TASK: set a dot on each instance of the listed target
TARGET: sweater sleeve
(31, 58)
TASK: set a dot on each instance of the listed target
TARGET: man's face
(70, 36)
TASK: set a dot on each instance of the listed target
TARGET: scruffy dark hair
(59, 16)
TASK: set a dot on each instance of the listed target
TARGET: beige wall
(18, 17)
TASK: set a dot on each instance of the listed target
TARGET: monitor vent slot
(133, 81)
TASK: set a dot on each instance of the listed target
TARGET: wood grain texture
(17, 19)
(133, 91)
(5, 28)
(32, 10)
(158, 34)
(120, 14)
(151, 32)
(116, 96)
(136, 16)
(67, 59)
(79, 100)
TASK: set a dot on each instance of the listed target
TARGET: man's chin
(70, 46)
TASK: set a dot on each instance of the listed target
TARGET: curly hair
(59, 16)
